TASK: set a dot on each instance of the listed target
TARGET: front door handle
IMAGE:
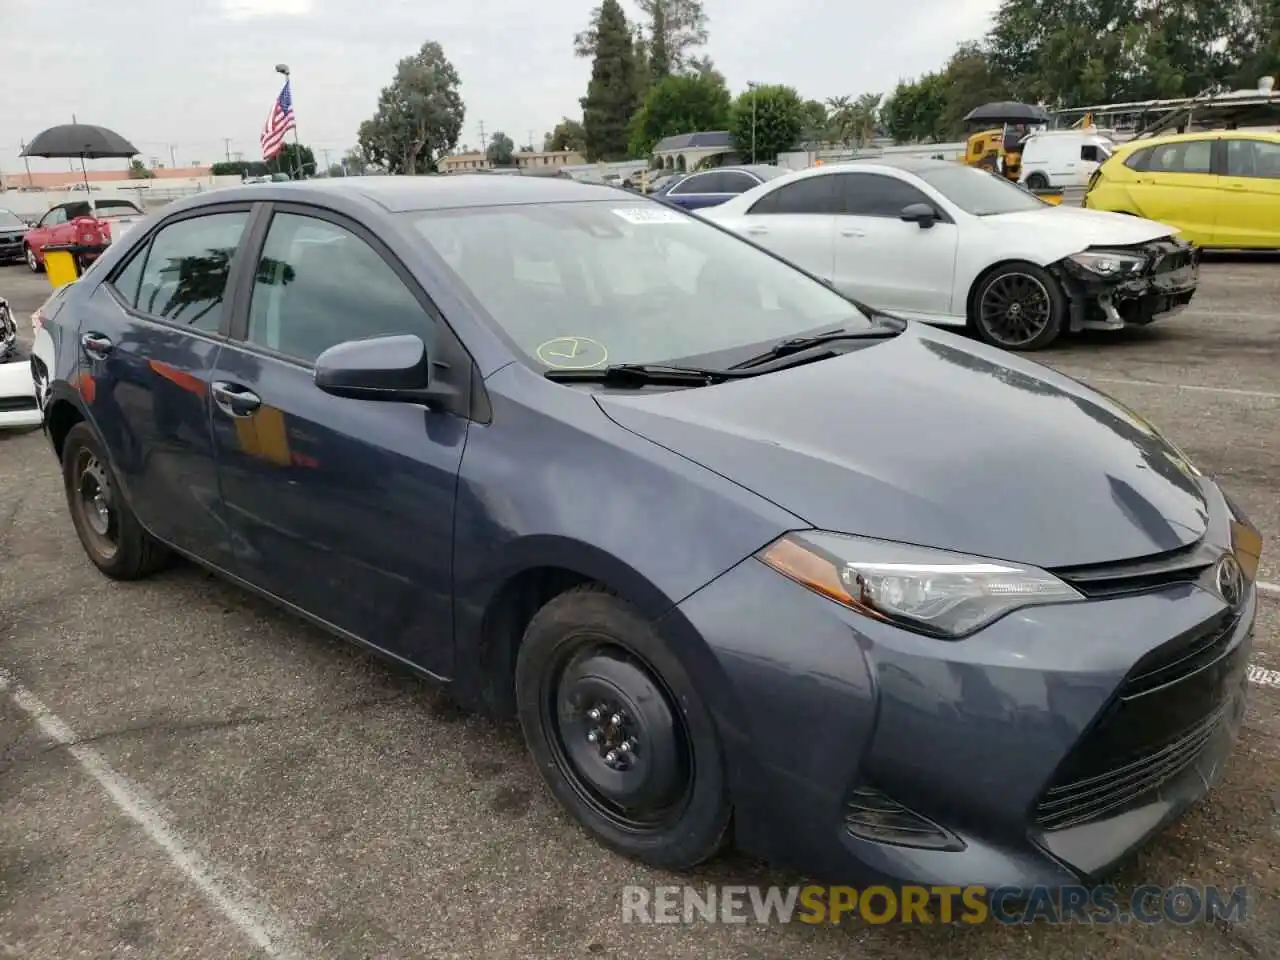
(757, 231)
(97, 344)
(850, 232)
(234, 399)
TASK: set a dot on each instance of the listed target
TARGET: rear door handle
(234, 399)
(850, 232)
(97, 344)
(757, 231)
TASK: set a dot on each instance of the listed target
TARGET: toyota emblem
(1230, 580)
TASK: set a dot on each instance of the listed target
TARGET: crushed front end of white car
(1111, 287)
(19, 406)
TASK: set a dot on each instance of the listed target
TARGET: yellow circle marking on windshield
(572, 353)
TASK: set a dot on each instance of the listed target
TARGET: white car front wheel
(1018, 306)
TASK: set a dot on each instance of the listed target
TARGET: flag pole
(298, 172)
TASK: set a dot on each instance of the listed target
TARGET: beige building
(533, 161)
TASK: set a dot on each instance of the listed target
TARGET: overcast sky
(184, 75)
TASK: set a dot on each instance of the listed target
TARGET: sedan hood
(1085, 228)
(934, 440)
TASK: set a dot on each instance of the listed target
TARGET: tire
(1025, 284)
(664, 800)
(111, 534)
(33, 263)
(1037, 181)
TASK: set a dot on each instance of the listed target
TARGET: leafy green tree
(568, 135)
(419, 115)
(138, 171)
(970, 80)
(676, 28)
(815, 121)
(296, 160)
(767, 121)
(356, 162)
(500, 150)
(681, 103)
(914, 111)
(612, 95)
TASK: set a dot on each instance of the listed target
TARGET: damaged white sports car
(948, 244)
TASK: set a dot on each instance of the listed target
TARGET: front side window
(1195, 156)
(185, 277)
(54, 217)
(697, 183)
(622, 281)
(318, 285)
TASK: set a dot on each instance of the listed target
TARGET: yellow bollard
(60, 267)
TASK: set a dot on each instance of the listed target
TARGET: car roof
(909, 164)
(400, 194)
(1246, 134)
(759, 169)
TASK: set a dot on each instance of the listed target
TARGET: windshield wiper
(793, 345)
(636, 374)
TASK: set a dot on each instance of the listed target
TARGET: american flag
(278, 124)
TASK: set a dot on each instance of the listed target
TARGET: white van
(1062, 158)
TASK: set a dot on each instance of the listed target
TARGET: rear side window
(184, 272)
(1253, 158)
(1195, 156)
(735, 181)
(815, 195)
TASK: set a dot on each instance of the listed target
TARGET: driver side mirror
(922, 214)
(382, 368)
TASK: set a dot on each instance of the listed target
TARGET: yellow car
(1221, 188)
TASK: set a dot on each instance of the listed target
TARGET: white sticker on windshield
(650, 215)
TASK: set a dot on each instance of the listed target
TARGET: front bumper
(1032, 745)
(1164, 287)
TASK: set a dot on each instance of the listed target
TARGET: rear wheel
(1018, 306)
(1038, 181)
(108, 529)
(33, 262)
(619, 733)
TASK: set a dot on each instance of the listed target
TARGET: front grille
(1184, 565)
(1091, 798)
(1166, 711)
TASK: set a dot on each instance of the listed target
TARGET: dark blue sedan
(707, 188)
(750, 562)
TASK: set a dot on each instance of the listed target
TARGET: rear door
(343, 508)
(884, 260)
(1179, 186)
(149, 336)
(1249, 215)
(797, 221)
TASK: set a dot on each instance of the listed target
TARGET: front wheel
(619, 733)
(1037, 181)
(33, 262)
(1018, 306)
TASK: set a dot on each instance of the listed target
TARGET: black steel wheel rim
(94, 502)
(1015, 309)
(616, 736)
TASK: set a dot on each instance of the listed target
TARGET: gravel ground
(285, 787)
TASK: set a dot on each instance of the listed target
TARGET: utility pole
(530, 141)
(239, 156)
(752, 85)
(484, 143)
(22, 145)
(326, 161)
(226, 145)
(173, 157)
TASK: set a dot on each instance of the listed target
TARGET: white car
(18, 404)
(949, 244)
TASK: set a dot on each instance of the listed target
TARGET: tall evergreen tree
(613, 93)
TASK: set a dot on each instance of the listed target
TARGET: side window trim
(144, 250)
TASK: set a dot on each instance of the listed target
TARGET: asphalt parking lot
(186, 772)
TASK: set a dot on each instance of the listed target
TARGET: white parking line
(1264, 394)
(230, 898)
(1264, 587)
(1264, 677)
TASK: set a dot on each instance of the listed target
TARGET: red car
(88, 222)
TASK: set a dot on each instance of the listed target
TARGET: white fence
(145, 193)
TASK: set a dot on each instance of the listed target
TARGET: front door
(149, 336)
(45, 231)
(888, 262)
(1179, 187)
(343, 508)
(1249, 215)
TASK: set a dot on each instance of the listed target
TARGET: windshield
(978, 192)
(580, 285)
(10, 219)
(105, 209)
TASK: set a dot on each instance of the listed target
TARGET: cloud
(198, 83)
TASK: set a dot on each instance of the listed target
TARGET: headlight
(935, 592)
(1109, 264)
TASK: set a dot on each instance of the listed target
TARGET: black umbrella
(1007, 112)
(81, 140)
